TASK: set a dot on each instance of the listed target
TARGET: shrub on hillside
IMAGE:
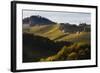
(72, 56)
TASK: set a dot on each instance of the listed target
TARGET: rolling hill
(37, 20)
(44, 40)
(54, 33)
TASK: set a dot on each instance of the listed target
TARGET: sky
(61, 17)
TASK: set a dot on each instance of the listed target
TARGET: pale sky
(61, 17)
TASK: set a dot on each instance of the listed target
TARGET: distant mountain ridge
(37, 20)
(64, 27)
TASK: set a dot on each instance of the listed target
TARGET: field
(49, 43)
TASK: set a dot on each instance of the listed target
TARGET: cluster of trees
(67, 27)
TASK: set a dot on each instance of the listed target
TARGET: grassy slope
(77, 37)
(50, 31)
(53, 33)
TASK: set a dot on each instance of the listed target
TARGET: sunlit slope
(40, 29)
(77, 37)
(49, 43)
(54, 33)
(50, 31)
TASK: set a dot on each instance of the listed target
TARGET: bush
(72, 56)
(76, 51)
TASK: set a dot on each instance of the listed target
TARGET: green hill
(46, 39)
(54, 33)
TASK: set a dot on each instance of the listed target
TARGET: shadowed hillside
(36, 47)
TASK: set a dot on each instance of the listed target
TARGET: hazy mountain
(26, 20)
(39, 20)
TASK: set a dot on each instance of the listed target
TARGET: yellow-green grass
(49, 31)
(54, 33)
(77, 37)
(40, 29)
(69, 52)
